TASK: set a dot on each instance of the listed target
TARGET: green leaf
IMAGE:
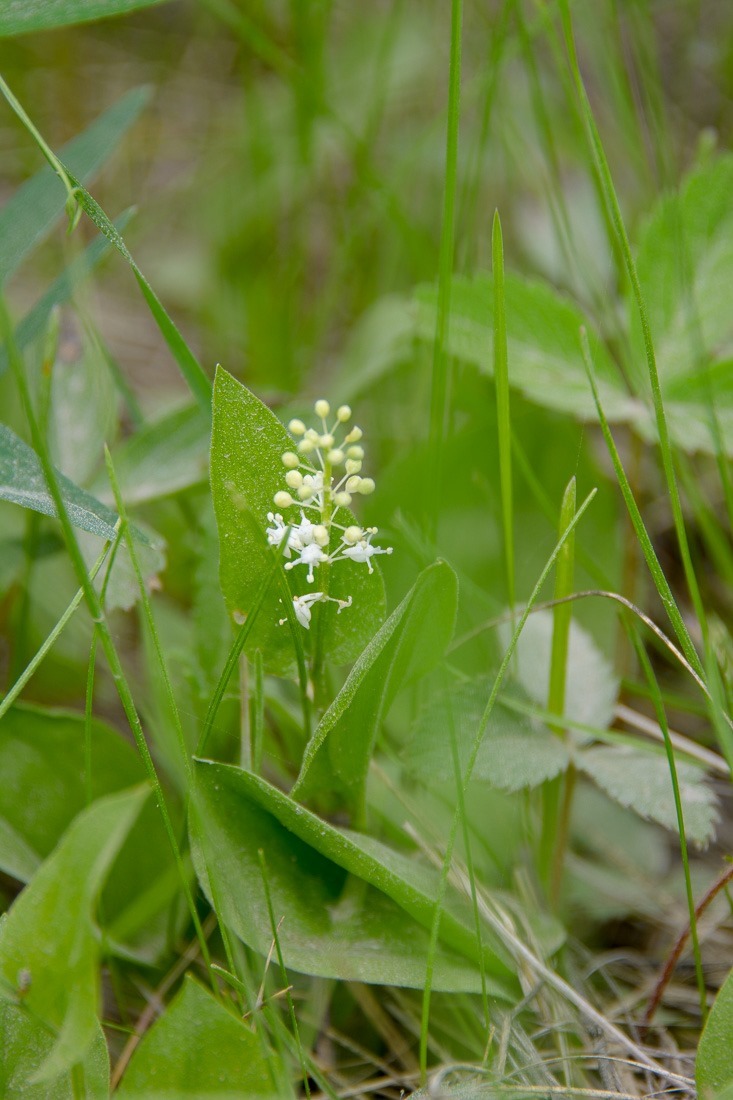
(49, 933)
(591, 686)
(382, 338)
(164, 457)
(409, 644)
(246, 471)
(198, 1048)
(685, 264)
(42, 765)
(354, 929)
(83, 414)
(515, 753)
(27, 1043)
(30, 214)
(545, 360)
(640, 781)
(25, 16)
(714, 1063)
(22, 482)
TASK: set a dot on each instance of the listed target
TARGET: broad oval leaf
(354, 929)
(27, 1043)
(246, 471)
(198, 1048)
(49, 933)
(408, 644)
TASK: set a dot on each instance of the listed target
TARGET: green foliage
(49, 952)
(24, 16)
(246, 471)
(408, 645)
(356, 929)
(714, 1063)
(198, 1048)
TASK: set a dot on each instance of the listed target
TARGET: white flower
(302, 607)
(276, 533)
(363, 551)
(311, 556)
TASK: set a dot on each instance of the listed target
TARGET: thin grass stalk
(558, 792)
(440, 369)
(611, 199)
(503, 413)
(100, 623)
(435, 928)
(660, 581)
(646, 665)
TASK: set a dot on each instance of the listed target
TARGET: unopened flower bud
(354, 435)
(322, 408)
(290, 459)
(326, 440)
(335, 457)
(306, 446)
(294, 479)
(283, 499)
(313, 435)
(296, 427)
(353, 484)
(320, 535)
(342, 499)
(305, 492)
(353, 465)
(355, 452)
(352, 535)
(343, 413)
(366, 486)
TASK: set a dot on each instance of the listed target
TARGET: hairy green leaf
(545, 360)
(25, 16)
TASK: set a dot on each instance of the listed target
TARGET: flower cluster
(323, 475)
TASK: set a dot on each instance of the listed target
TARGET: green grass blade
(450, 846)
(439, 390)
(651, 679)
(27, 218)
(660, 581)
(614, 211)
(98, 617)
(503, 416)
(78, 198)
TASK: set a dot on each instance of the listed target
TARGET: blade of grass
(503, 416)
(33, 665)
(660, 581)
(469, 771)
(148, 612)
(98, 618)
(646, 665)
(440, 369)
(614, 210)
(78, 199)
(559, 791)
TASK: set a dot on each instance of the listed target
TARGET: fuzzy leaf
(591, 686)
(27, 1043)
(369, 928)
(640, 781)
(515, 753)
(198, 1048)
(545, 360)
(409, 644)
(246, 471)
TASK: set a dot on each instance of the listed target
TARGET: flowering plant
(319, 540)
